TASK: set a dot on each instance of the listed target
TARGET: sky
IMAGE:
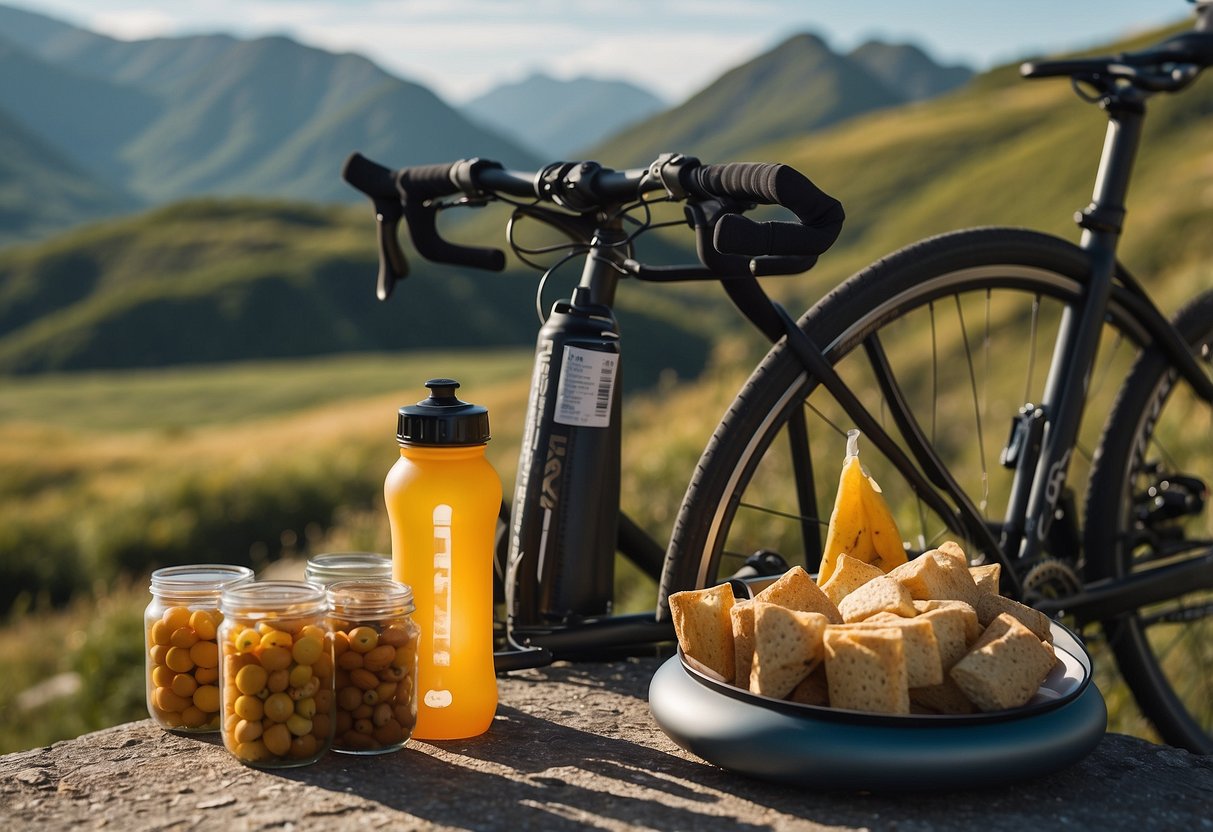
(461, 48)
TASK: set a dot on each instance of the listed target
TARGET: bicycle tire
(1166, 651)
(883, 299)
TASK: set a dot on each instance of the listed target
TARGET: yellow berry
(166, 700)
(249, 707)
(204, 624)
(276, 638)
(394, 635)
(205, 654)
(178, 659)
(312, 631)
(251, 678)
(205, 675)
(308, 649)
(184, 685)
(176, 617)
(193, 717)
(306, 708)
(252, 752)
(183, 637)
(162, 677)
(304, 747)
(161, 633)
(364, 678)
(278, 681)
(275, 658)
(279, 707)
(349, 698)
(247, 730)
(206, 699)
(300, 675)
(299, 725)
(159, 653)
(363, 639)
(379, 658)
(247, 639)
(277, 739)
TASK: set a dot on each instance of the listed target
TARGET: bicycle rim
(967, 323)
(1154, 460)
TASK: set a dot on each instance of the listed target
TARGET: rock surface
(573, 747)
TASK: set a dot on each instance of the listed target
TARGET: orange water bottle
(443, 499)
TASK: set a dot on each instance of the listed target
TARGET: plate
(817, 747)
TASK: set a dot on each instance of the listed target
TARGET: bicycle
(874, 354)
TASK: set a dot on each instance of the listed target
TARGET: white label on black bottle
(587, 385)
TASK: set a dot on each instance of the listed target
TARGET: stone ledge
(573, 747)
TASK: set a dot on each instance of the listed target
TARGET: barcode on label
(586, 387)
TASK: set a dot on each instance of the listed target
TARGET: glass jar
(276, 673)
(180, 627)
(375, 650)
(330, 567)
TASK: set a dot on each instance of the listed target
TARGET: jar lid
(329, 567)
(370, 597)
(200, 579)
(442, 418)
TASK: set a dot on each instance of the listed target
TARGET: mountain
(557, 118)
(42, 192)
(800, 86)
(908, 70)
(167, 118)
(235, 279)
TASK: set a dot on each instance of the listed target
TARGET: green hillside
(222, 280)
(1008, 151)
(799, 86)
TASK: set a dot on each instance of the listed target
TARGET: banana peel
(861, 525)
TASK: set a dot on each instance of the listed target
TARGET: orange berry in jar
(205, 654)
(205, 623)
(363, 639)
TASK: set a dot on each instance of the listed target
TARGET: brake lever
(393, 265)
(702, 216)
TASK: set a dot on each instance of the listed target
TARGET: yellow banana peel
(887, 547)
(861, 525)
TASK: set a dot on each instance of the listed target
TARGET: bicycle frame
(1045, 432)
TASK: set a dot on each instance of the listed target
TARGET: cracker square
(1005, 667)
(951, 627)
(935, 575)
(797, 590)
(973, 626)
(787, 646)
(990, 607)
(704, 626)
(812, 689)
(924, 665)
(865, 670)
(881, 594)
(849, 575)
(987, 577)
(742, 616)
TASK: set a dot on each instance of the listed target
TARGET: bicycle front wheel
(1150, 490)
(961, 328)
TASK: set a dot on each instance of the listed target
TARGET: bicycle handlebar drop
(720, 194)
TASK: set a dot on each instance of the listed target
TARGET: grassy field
(106, 475)
(276, 460)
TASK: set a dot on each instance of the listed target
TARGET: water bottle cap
(442, 418)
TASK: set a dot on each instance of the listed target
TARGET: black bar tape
(821, 215)
(371, 178)
(427, 181)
